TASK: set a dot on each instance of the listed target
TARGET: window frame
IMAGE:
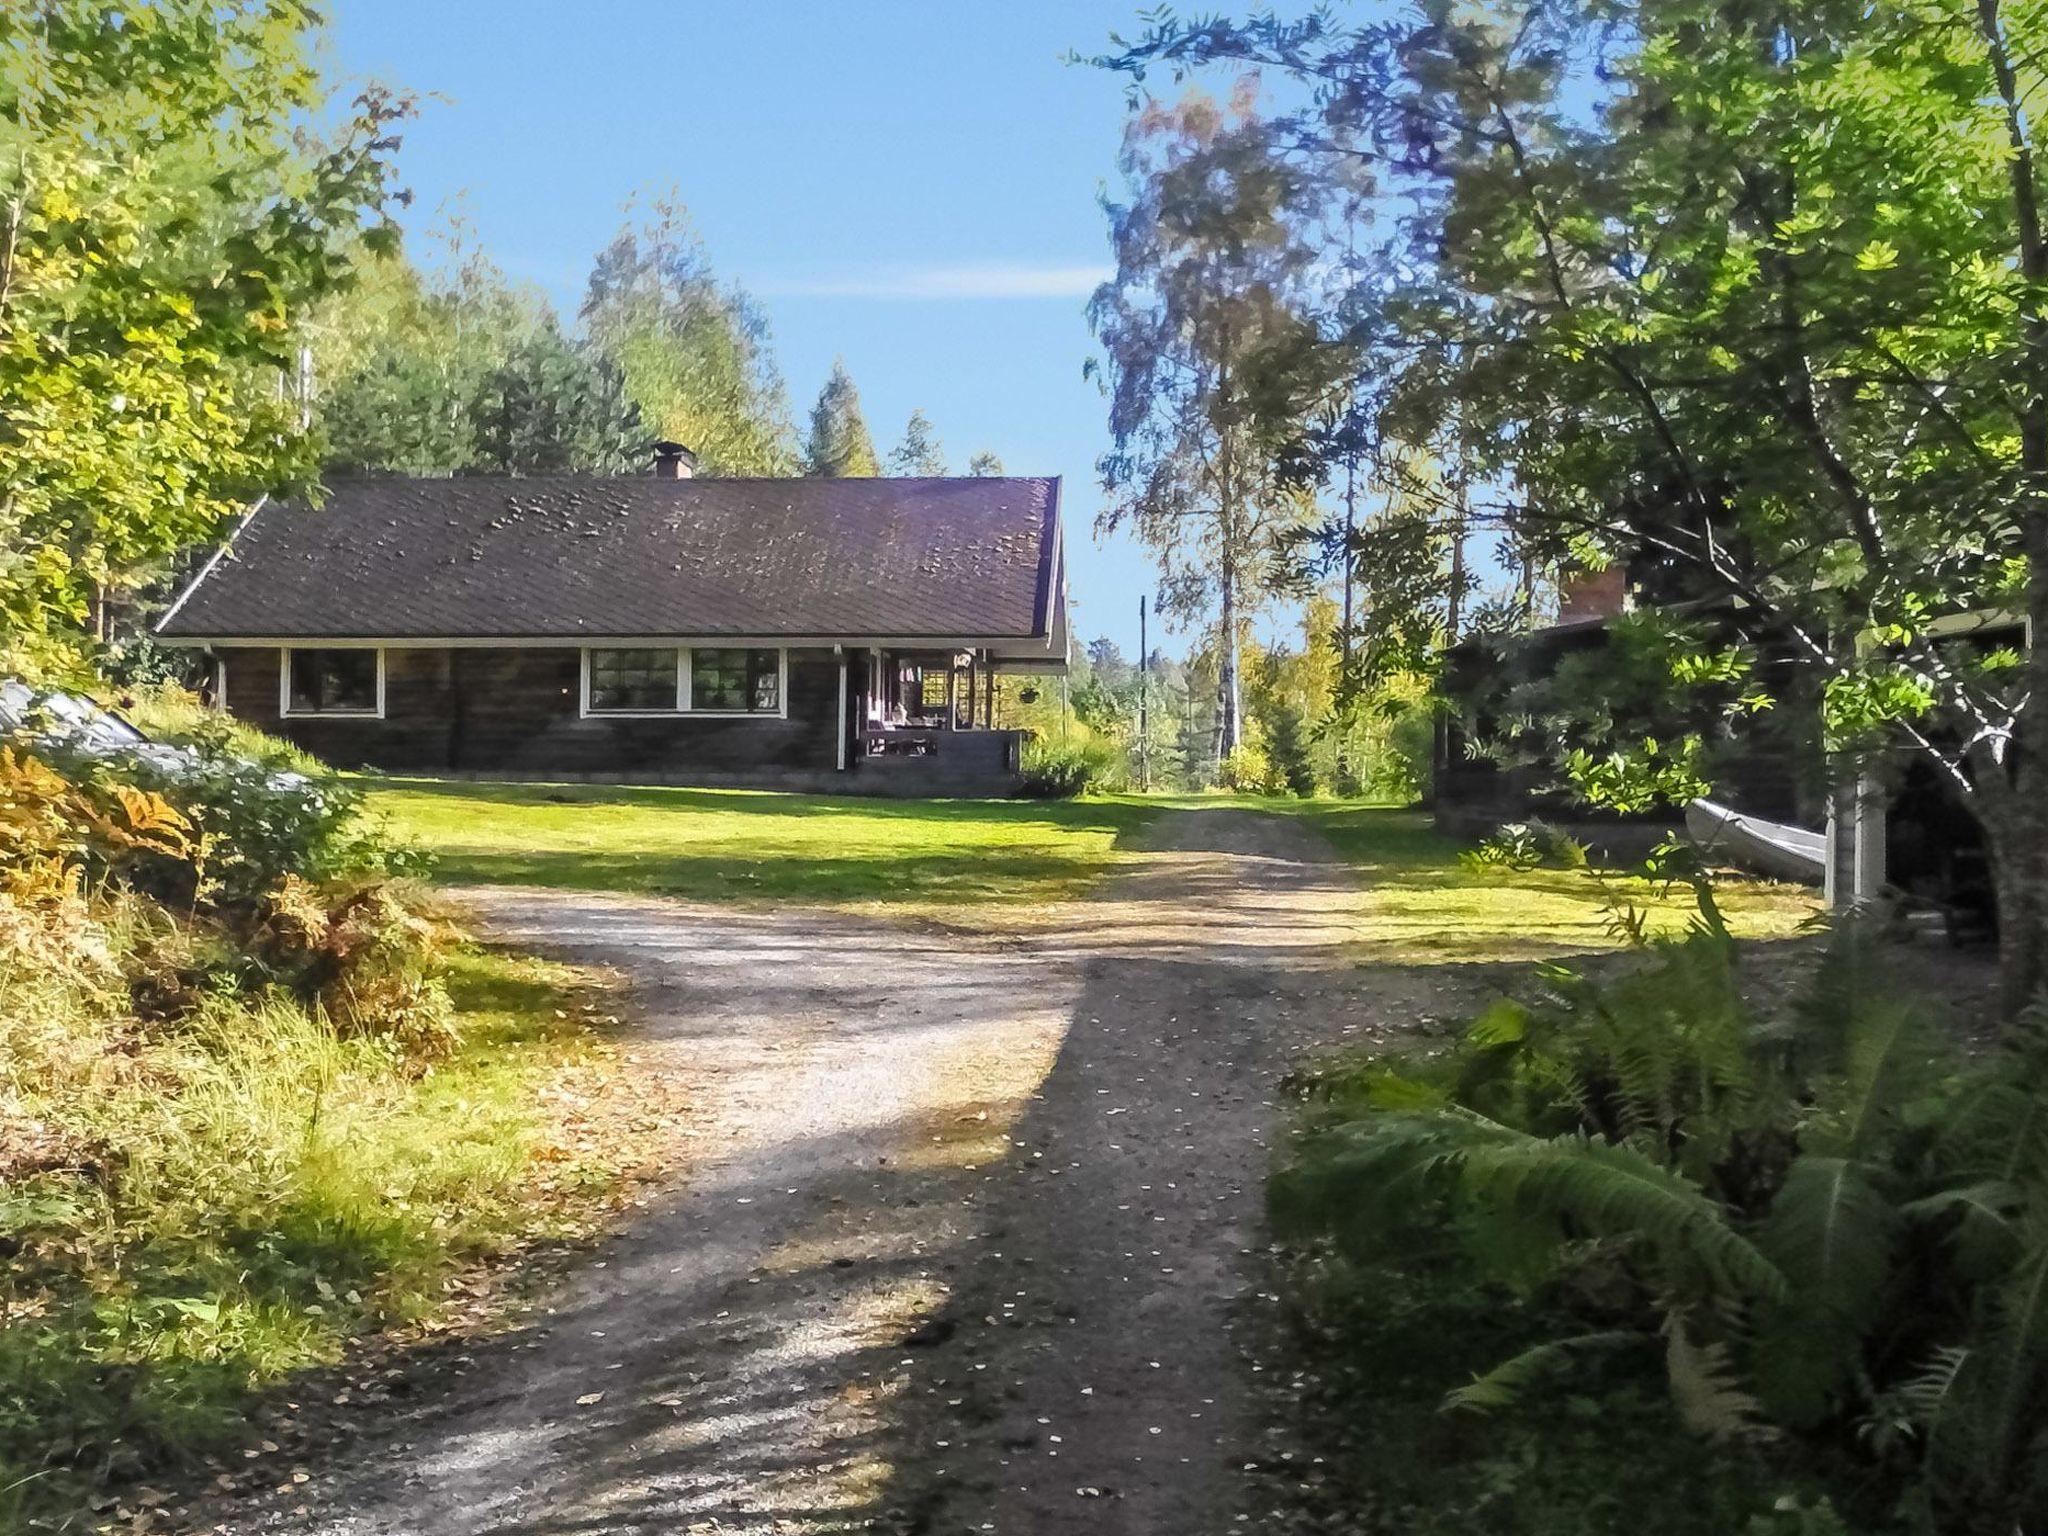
(588, 711)
(685, 708)
(285, 708)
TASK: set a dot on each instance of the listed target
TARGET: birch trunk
(1229, 725)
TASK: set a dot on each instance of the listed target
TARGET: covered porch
(929, 719)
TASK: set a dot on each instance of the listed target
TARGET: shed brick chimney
(672, 461)
(1584, 594)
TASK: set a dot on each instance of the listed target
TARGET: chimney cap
(673, 461)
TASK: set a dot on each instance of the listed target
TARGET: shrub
(1405, 769)
(250, 810)
(1059, 770)
(364, 959)
(1820, 1226)
(1249, 768)
(1525, 845)
(168, 712)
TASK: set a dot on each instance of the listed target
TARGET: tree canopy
(1755, 296)
(919, 452)
(165, 226)
(423, 372)
(693, 352)
(1210, 363)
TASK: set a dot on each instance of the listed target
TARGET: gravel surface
(968, 1235)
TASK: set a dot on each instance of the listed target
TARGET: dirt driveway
(967, 1238)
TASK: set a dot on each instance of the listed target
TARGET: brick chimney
(1584, 594)
(672, 461)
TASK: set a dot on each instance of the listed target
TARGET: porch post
(844, 663)
(1856, 839)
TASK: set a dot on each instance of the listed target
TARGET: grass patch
(742, 844)
(231, 1197)
(1427, 907)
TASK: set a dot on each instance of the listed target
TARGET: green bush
(1060, 770)
(237, 1126)
(1526, 845)
(1818, 1226)
(260, 809)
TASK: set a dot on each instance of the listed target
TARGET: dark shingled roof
(633, 555)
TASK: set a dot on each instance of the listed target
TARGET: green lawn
(938, 855)
(722, 844)
(1427, 905)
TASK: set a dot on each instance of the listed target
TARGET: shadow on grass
(979, 874)
(726, 844)
(1120, 817)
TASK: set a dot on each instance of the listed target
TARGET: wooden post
(843, 665)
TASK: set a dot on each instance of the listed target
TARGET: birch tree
(1206, 342)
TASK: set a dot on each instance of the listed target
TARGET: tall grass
(207, 1206)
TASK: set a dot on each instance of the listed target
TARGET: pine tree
(984, 464)
(919, 453)
(840, 444)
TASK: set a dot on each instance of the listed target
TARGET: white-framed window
(345, 682)
(639, 681)
(632, 680)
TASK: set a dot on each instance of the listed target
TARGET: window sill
(684, 714)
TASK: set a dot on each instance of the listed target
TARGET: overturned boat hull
(1771, 848)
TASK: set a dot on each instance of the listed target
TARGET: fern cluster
(1819, 1223)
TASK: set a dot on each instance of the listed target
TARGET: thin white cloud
(973, 280)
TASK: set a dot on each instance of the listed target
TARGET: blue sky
(910, 185)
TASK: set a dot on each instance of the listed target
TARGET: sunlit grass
(256, 1191)
(1425, 905)
(936, 856)
(740, 844)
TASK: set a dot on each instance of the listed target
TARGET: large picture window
(333, 682)
(736, 682)
(634, 682)
(715, 680)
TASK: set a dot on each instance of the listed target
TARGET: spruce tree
(919, 453)
(840, 444)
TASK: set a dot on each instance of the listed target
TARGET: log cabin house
(827, 634)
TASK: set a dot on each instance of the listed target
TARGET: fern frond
(1832, 1232)
(1835, 1235)
(1704, 1387)
(1999, 1130)
(1613, 1189)
(2021, 1341)
(1920, 1404)
(1985, 1233)
(1504, 1385)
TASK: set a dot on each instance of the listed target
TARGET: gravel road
(968, 1235)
